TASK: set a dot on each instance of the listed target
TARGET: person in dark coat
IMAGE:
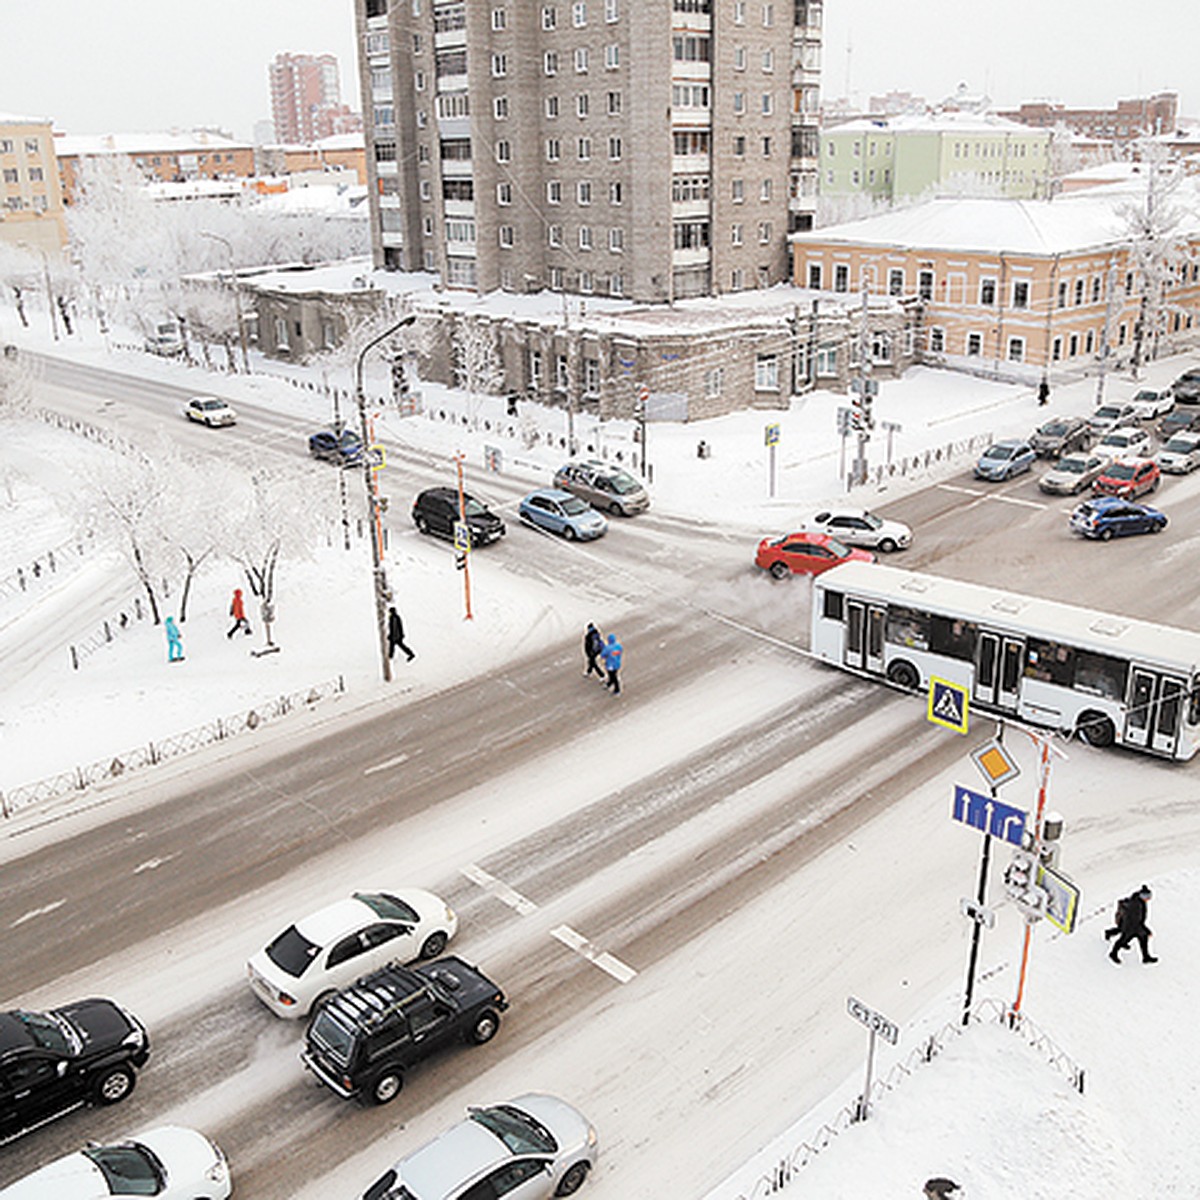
(396, 635)
(612, 661)
(593, 645)
(1044, 391)
(1131, 925)
(237, 610)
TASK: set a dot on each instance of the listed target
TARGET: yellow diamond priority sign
(995, 763)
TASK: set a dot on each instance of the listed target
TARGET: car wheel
(386, 1086)
(114, 1085)
(433, 945)
(421, 524)
(485, 1027)
(1096, 729)
(780, 570)
(616, 510)
(569, 532)
(1105, 535)
(904, 674)
(887, 546)
(572, 1181)
(1159, 526)
(322, 999)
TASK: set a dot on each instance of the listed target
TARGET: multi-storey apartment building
(31, 210)
(1147, 116)
(305, 91)
(654, 149)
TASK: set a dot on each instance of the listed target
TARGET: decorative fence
(108, 630)
(28, 576)
(787, 1169)
(82, 778)
(926, 460)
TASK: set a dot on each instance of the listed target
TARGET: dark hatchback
(56, 1061)
(1060, 435)
(435, 512)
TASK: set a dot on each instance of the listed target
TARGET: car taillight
(286, 1000)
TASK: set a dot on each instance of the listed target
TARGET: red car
(1127, 478)
(805, 554)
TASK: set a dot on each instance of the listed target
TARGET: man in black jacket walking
(593, 643)
(1131, 926)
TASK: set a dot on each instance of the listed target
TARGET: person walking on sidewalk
(174, 641)
(1131, 926)
(237, 610)
(612, 652)
(593, 647)
(396, 635)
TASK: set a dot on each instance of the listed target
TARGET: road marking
(966, 491)
(620, 971)
(501, 891)
(37, 912)
(1018, 500)
(152, 864)
(383, 766)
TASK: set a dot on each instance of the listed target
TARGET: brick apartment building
(652, 149)
(31, 207)
(306, 99)
(1147, 116)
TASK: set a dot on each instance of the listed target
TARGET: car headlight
(591, 1137)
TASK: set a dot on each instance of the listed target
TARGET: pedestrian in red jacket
(237, 610)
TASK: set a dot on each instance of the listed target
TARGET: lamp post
(372, 490)
(237, 295)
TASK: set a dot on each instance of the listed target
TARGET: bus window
(954, 639)
(1100, 675)
(833, 606)
(1194, 706)
(1170, 699)
(1049, 662)
(907, 627)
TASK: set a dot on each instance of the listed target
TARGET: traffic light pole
(1037, 858)
(985, 859)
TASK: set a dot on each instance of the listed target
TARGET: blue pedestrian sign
(989, 816)
(947, 704)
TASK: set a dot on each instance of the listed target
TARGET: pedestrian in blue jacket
(612, 661)
(174, 641)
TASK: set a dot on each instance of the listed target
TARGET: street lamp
(369, 482)
(237, 295)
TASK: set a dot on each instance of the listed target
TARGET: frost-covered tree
(477, 367)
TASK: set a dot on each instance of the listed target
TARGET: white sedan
(210, 411)
(327, 951)
(170, 1163)
(1125, 441)
(858, 527)
(1150, 402)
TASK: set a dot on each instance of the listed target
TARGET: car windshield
(292, 952)
(623, 483)
(1145, 395)
(211, 404)
(388, 907)
(349, 437)
(574, 507)
(388, 1187)
(1072, 466)
(837, 549)
(128, 1170)
(332, 1036)
(473, 508)
(1053, 428)
(1181, 445)
(1119, 439)
(1107, 412)
(50, 1032)
(998, 452)
(1121, 471)
(873, 522)
(516, 1129)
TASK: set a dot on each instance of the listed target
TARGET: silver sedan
(1074, 473)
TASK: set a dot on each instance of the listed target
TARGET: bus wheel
(904, 674)
(1096, 729)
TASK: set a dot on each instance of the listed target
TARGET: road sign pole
(462, 517)
(977, 932)
(772, 470)
(864, 1104)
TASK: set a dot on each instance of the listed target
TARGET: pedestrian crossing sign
(947, 704)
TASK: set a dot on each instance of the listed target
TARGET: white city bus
(1110, 679)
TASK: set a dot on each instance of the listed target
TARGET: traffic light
(857, 412)
(512, 404)
(460, 561)
(1020, 884)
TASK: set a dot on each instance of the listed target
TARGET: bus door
(864, 636)
(1154, 711)
(998, 662)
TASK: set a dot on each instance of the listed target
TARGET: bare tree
(477, 365)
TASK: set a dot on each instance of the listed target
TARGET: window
(739, 103)
(691, 235)
(614, 149)
(499, 19)
(499, 66)
(612, 10)
(554, 191)
(827, 361)
(1078, 292)
(579, 14)
(549, 17)
(614, 104)
(1016, 349)
(583, 149)
(1095, 289)
(881, 346)
(1073, 345)
(925, 285)
(1062, 295)
(738, 190)
(1056, 350)
(550, 63)
(581, 60)
(1020, 293)
(614, 192)
(506, 237)
(583, 191)
(426, 191)
(896, 281)
(768, 61)
(765, 190)
(768, 104)
(554, 235)
(766, 373)
(581, 104)
(585, 237)
(612, 57)
(987, 291)
(841, 278)
(768, 15)
(616, 241)
(937, 339)
(1089, 340)
(553, 149)
(739, 58)
(765, 231)
(739, 12)
(814, 276)
(500, 108)
(281, 334)
(713, 380)
(504, 193)
(689, 47)
(503, 151)
(737, 279)
(739, 146)
(591, 387)
(975, 345)
(735, 234)
(551, 107)
(616, 284)
(766, 147)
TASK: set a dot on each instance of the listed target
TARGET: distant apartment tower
(303, 87)
(1147, 116)
(653, 149)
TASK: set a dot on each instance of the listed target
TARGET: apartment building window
(688, 47)
(503, 151)
(691, 141)
(583, 149)
(1020, 293)
(281, 335)
(987, 292)
(975, 345)
(456, 149)
(551, 107)
(449, 18)
(10, 175)
(586, 282)
(614, 104)
(689, 187)
(1121, 334)
(583, 191)
(499, 19)
(499, 66)
(428, 259)
(426, 191)
(814, 276)
(739, 12)
(1128, 284)
(554, 236)
(896, 282)
(418, 81)
(612, 57)
(550, 62)
(36, 175)
(504, 194)
(549, 17)
(1078, 292)
(616, 241)
(453, 104)
(6, 145)
(417, 43)
(766, 147)
(581, 60)
(612, 10)
(765, 230)
(738, 191)
(827, 361)
(500, 108)
(381, 83)
(1095, 289)
(1016, 349)
(1073, 345)
(765, 190)
(616, 284)
(1089, 341)
(739, 103)
(768, 104)
(582, 105)
(713, 380)
(422, 153)
(689, 95)
(579, 14)
(766, 373)
(739, 146)
(937, 339)
(591, 377)
(554, 191)
(925, 285)
(556, 279)
(553, 149)
(535, 370)
(881, 346)
(507, 237)
(739, 58)
(768, 15)
(385, 151)
(691, 235)
(384, 117)
(737, 279)
(615, 194)
(457, 189)
(585, 237)
(768, 61)
(614, 149)
(736, 237)
(841, 278)
(460, 231)
(1056, 350)
(1062, 295)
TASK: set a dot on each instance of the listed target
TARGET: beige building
(31, 206)
(652, 149)
(344, 151)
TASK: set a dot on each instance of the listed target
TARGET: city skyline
(127, 69)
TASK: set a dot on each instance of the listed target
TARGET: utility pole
(864, 386)
(1105, 348)
(237, 296)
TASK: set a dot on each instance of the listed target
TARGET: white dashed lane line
(620, 971)
(36, 912)
(383, 766)
(501, 891)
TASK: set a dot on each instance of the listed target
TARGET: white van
(165, 338)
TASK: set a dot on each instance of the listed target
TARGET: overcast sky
(129, 65)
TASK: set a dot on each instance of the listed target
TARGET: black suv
(1060, 435)
(363, 1039)
(53, 1062)
(436, 511)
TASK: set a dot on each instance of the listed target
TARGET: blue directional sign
(988, 815)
